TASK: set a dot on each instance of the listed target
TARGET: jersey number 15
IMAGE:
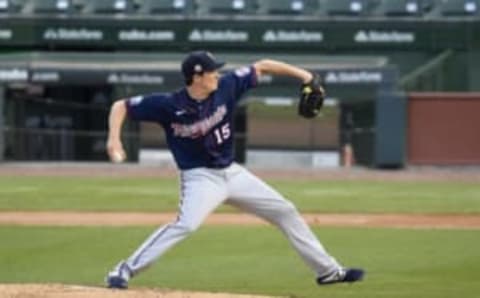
(222, 133)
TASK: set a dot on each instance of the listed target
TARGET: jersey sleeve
(147, 108)
(242, 80)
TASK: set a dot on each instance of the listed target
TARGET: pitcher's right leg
(201, 192)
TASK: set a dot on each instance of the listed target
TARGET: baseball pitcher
(198, 124)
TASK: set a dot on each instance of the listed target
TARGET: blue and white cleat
(119, 277)
(347, 275)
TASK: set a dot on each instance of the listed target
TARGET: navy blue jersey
(199, 133)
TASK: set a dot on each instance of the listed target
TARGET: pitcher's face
(208, 81)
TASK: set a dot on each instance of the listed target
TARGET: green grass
(160, 194)
(400, 263)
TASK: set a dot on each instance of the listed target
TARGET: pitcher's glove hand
(312, 96)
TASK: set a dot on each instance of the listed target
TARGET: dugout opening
(59, 123)
(62, 123)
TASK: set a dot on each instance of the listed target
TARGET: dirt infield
(72, 291)
(335, 220)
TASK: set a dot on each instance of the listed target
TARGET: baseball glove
(312, 95)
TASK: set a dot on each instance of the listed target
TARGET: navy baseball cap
(199, 62)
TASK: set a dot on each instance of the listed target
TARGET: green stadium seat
(459, 7)
(222, 7)
(107, 6)
(401, 7)
(346, 7)
(47, 6)
(4, 5)
(287, 7)
(176, 7)
(11, 6)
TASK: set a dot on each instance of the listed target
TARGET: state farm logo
(135, 78)
(292, 36)
(72, 34)
(218, 35)
(348, 77)
(377, 36)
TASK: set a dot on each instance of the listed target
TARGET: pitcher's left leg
(249, 193)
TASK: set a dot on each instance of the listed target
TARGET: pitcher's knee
(288, 209)
(187, 227)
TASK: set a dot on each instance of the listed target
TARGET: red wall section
(444, 128)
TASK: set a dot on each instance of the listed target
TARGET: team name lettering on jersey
(201, 127)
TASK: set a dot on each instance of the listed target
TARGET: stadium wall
(436, 54)
(443, 129)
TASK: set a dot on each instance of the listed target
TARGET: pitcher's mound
(71, 291)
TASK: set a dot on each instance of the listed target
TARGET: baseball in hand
(117, 157)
